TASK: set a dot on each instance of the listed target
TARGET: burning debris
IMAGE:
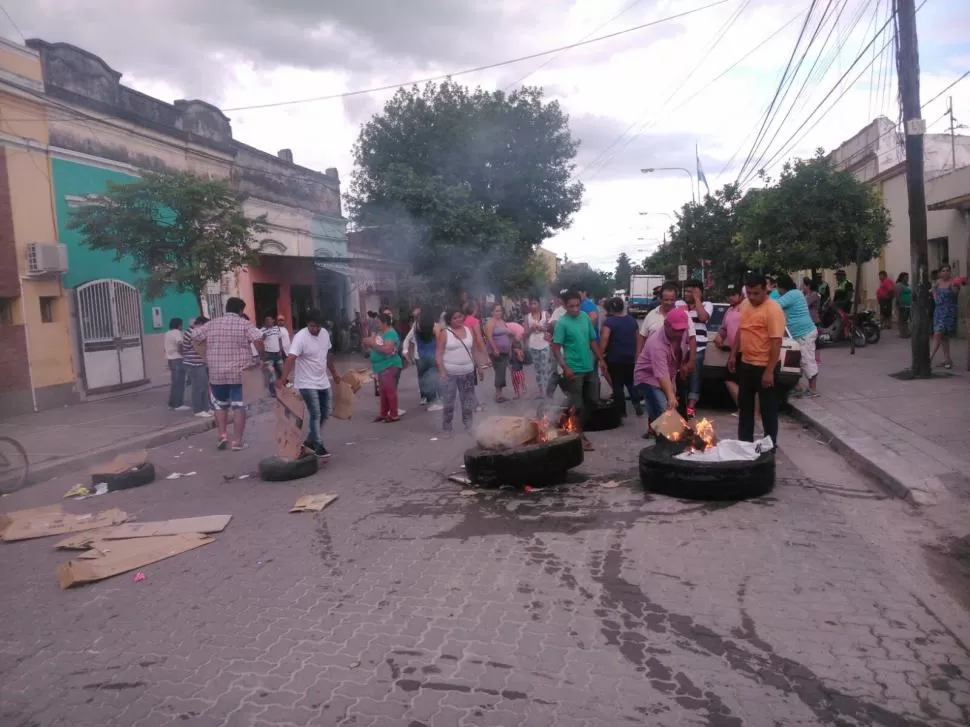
(503, 433)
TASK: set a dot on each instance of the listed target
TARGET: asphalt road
(407, 603)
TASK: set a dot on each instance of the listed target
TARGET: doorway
(266, 298)
(301, 301)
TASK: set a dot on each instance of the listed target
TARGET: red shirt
(886, 288)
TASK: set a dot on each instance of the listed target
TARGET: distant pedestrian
(385, 358)
(700, 312)
(498, 342)
(726, 335)
(173, 355)
(516, 368)
(945, 293)
(230, 341)
(760, 333)
(458, 368)
(421, 345)
(536, 326)
(196, 372)
(812, 298)
(884, 296)
(904, 302)
(309, 361)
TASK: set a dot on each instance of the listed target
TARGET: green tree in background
(179, 230)
(624, 269)
(598, 283)
(814, 217)
(469, 183)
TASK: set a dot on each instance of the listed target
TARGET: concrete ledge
(82, 461)
(897, 474)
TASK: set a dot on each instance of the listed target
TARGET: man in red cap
(658, 364)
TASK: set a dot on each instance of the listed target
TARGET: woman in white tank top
(456, 364)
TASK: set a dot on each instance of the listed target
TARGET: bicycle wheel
(13, 465)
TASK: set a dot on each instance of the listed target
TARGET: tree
(179, 230)
(624, 269)
(598, 283)
(468, 182)
(814, 217)
(702, 239)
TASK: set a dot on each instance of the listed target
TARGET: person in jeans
(760, 331)
(658, 365)
(273, 343)
(196, 372)
(618, 339)
(385, 359)
(577, 352)
(423, 341)
(230, 341)
(700, 312)
(307, 363)
(536, 326)
(173, 354)
(802, 329)
(457, 369)
(498, 338)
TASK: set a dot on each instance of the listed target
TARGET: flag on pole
(700, 171)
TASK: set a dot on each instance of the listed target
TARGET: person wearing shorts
(228, 340)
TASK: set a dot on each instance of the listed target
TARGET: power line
(605, 154)
(595, 30)
(965, 75)
(15, 27)
(486, 67)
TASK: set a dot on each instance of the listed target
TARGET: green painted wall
(73, 179)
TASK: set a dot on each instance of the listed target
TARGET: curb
(54, 468)
(894, 472)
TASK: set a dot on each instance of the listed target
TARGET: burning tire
(604, 417)
(277, 469)
(662, 472)
(545, 463)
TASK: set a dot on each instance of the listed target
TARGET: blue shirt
(589, 308)
(797, 317)
(622, 347)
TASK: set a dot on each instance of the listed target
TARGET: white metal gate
(110, 329)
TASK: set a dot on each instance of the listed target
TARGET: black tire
(137, 476)
(872, 333)
(277, 469)
(14, 465)
(859, 337)
(540, 464)
(662, 472)
(604, 417)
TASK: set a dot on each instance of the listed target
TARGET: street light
(648, 170)
(667, 214)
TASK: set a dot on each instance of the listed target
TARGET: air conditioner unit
(44, 258)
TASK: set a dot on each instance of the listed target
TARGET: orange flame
(705, 432)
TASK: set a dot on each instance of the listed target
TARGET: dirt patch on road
(949, 562)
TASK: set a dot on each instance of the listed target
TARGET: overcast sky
(642, 99)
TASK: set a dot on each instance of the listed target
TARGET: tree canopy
(469, 183)
(624, 269)
(598, 283)
(814, 217)
(179, 230)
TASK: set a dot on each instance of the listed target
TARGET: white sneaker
(423, 401)
(204, 414)
(400, 412)
(184, 407)
(436, 407)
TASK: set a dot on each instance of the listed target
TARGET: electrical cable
(485, 67)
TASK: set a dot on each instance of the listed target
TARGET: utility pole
(953, 134)
(907, 64)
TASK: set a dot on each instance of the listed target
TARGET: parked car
(715, 359)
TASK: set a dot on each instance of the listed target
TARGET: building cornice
(19, 49)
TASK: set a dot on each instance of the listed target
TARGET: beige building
(551, 262)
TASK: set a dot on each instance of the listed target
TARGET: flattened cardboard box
(41, 522)
(290, 413)
(208, 524)
(111, 557)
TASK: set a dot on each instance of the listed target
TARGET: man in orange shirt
(759, 335)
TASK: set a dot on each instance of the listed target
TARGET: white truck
(641, 292)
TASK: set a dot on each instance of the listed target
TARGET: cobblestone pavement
(406, 603)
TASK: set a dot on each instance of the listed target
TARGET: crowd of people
(573, 343)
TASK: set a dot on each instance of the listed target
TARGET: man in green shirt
(576, 350)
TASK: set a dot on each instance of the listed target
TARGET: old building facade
(83, 327)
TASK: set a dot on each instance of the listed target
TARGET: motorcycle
(865, 321)
(836, 326)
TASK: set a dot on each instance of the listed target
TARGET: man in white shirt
(309, 360)
(173, 355)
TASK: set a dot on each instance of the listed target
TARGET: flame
(704, 429)
(568, 422)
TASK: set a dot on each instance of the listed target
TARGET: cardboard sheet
(121, 463)
(356, 378)
(290, 413)
(343, 400)
(671, 425)
(208, 524)
(110, 557)
(254, 385)
(42, 522)
(312, 503)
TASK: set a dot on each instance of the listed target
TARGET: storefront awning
(340, 265)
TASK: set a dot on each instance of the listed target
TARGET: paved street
(406, 603)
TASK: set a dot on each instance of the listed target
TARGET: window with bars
(216, 305)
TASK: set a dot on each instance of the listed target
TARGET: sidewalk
(910, 435)
(75, 437)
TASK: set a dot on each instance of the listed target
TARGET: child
(516, 362)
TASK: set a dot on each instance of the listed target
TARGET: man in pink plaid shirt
(228, 340)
